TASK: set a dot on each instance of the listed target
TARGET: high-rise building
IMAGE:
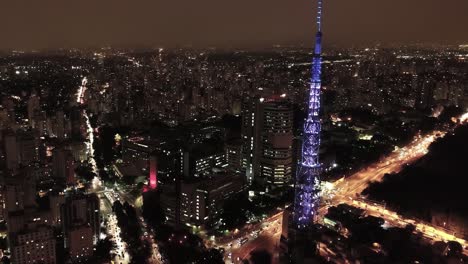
(138, 150)
(33, 106)
(63, 164)
(170, 204)
(153, 172)
(55, 203)
(79, 151)
(80, 242)
(199, 160)
(40, 122)
(10, 149)
(80, 210)
(249, 131)
(30, 235)
(196, 202)
(267, 140)
(234, 155)
(33, 245)
(19, 191)
(276, 135)
(27, 147)
(19, 148)
(59, 125)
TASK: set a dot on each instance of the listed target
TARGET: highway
(108, 196)
(106, 201)
(394, 162)
(121, 250)
(464, 118)
(81, 91)
(89, 142)
(347, 190)
(429, 231)
(147, 232)
(262, 236)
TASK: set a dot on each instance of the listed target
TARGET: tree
(128, 180)
(117, 207)
(455, 249)
(5, 260)
(3, 243)
(234, 211)
(103, 249)
(152, 210)
(85, 172)
(211, 256)
(260, 257)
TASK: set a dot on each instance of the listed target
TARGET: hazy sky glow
(257, 23)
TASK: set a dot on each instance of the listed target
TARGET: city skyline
(51, 24)
(218, 133)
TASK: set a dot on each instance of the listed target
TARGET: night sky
(26, 24)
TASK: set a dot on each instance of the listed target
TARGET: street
(345, 191)
(109, 196)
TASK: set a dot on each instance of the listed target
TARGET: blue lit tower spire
(307, 178)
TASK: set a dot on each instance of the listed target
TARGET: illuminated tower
(307, 178)
(153, 172)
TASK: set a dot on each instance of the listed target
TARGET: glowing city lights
(81, 91)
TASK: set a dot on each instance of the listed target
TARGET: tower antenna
(307, 185)
(319, 16)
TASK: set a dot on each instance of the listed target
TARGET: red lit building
(153, 172)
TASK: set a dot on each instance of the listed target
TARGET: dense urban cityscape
(286, 154)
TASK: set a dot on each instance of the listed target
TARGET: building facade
(267, 141)
(276, 144)
(33, 246)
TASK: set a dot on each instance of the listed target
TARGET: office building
(195, 203)
(234, 155)
(276, 143)
(199, 160)
(80, 242)
(80, 210)
(30, 236)
(56, 202)
(27, 147)
(267, 141)
(33, 106)
(10, 149)
(63, 164)
(250, 113)
(19, 191)
(33, 245)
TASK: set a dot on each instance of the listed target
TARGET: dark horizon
(53, 24)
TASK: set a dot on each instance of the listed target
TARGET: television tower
(307, 198)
